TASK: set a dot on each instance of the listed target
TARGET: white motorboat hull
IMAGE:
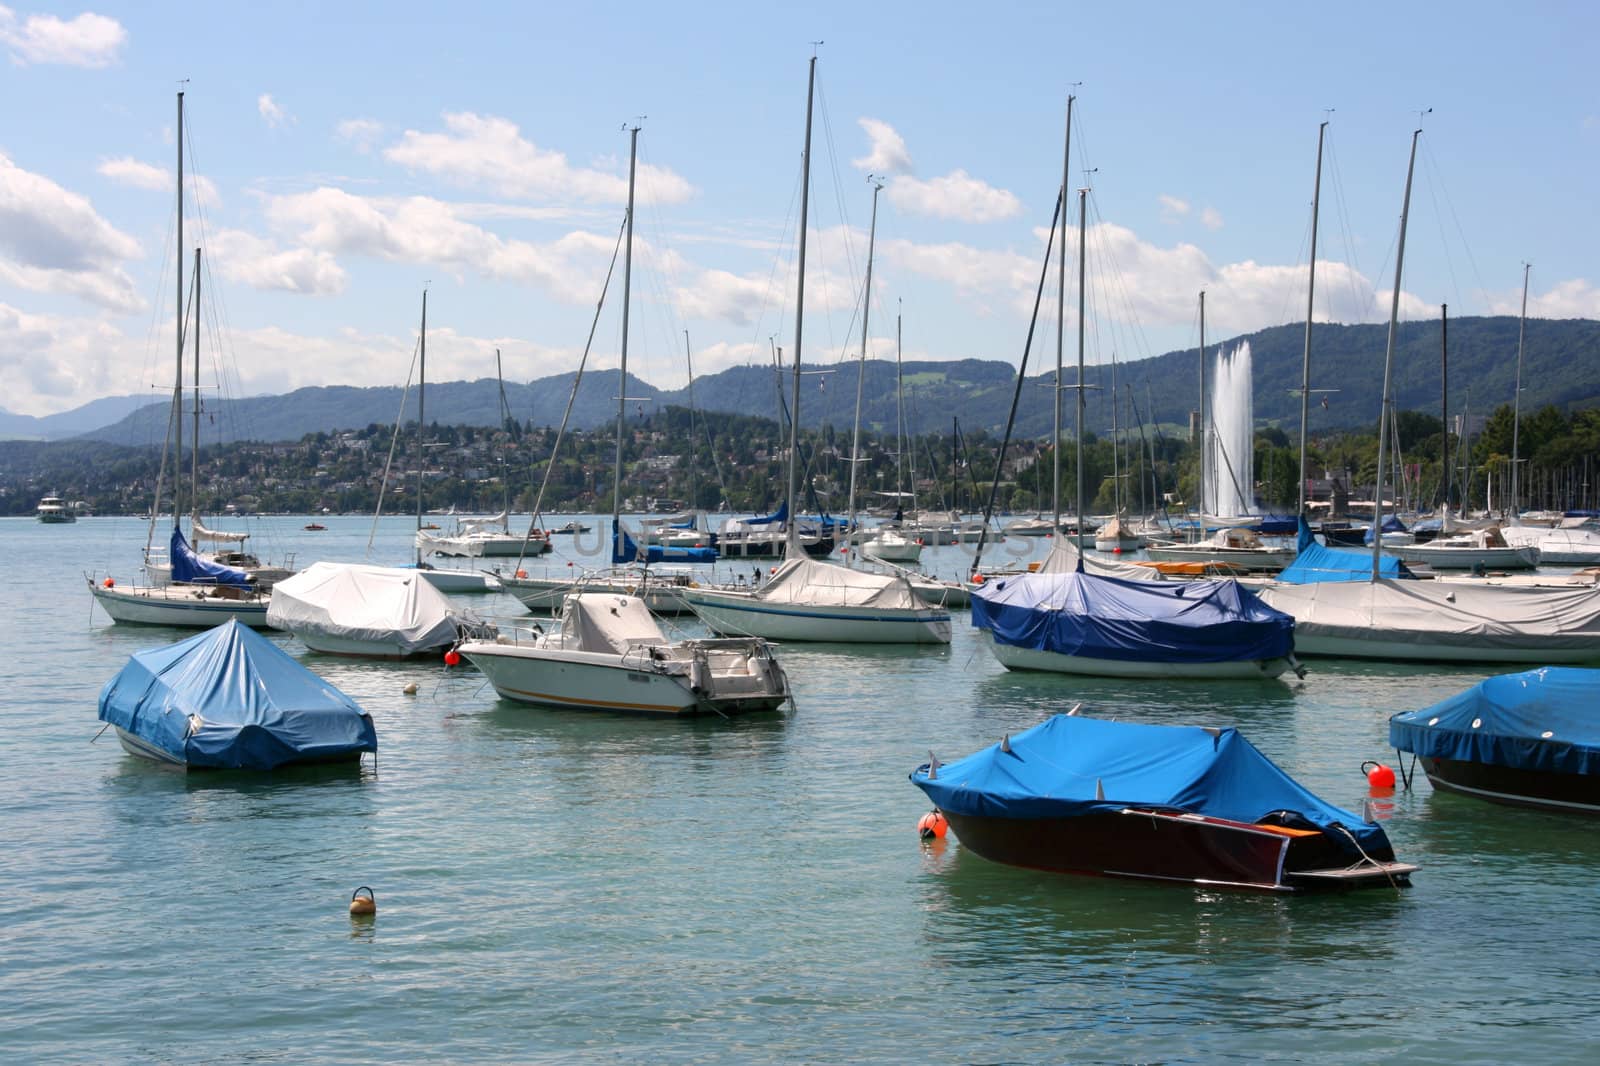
(461, 582)
(634, 683)
(1468, 558)
(135, 746)
(742, 614)
(1014, 658)
(903, 552)
(188, 607)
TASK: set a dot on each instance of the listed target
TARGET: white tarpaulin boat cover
(1450, 614)
(819, 584)
(1064, 556)
(608, 623)
(383, 604)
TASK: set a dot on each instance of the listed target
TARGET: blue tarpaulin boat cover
(777, 516)
(1077, 613)
(230, 698)
(191, 569)
(1316, 562)
(1069, 766)
(624, 549)
(1276, 525)
(1540, 720)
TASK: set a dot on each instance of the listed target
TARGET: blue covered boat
(1530, 739)
(1315, 563)
(1082, 623)
(1169, 803)
(230, 699)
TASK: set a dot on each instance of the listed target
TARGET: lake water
(555, 886)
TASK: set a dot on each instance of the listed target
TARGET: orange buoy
(452, 658)
(978, 579)
(110, 584)
(363, 906)
(522, 573)
(1378, 775)
(933, 826)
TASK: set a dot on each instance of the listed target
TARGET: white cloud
(259, 263)
(488, 151)
(272, 113)
(1211, 218)
(88, 40)
(52, 363)
(423, 230)
(1576, 298)
(1172, 208)
(957, 195)
(362, 133)
(53, 240)
(126, 170)
(888, 154)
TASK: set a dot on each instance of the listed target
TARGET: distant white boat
(890, 545)
(52, 511)
(1469, 550)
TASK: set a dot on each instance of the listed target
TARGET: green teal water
(556, 886)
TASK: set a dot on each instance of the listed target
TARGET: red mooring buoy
(933, 826)
(1378, 775)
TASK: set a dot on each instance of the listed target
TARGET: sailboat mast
(792, 542)
(1204, 438)
(422, 413)
(177, 380)
(1444, 398)
(861, 366)
(622, 384)
(1388, 364)
(1311, 293)
(1061, 312)
(1516, 398)
(899, 423)
(1083, 242)
(194, 464)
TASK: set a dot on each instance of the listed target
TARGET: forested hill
(1561, 367)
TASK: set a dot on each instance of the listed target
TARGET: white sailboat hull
(1445, 558)
(460, 581)
(1014, 658)
(742, 614)
(189, 607)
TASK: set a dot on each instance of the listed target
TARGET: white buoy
(411, 689)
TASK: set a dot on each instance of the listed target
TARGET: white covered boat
(379, 612)
(1441, 621)
(1557, 547)
(811, 600)
(478, 538)
(890, 545)
(610, 655)
(1118, 535)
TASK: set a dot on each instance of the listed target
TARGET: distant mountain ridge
(1561, 367)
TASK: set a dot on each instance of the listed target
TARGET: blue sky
(351, 153)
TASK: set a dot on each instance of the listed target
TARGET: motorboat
(890, 545)
(1529, 739)
(230, 699)
(1187, 804)
(1472, 549)
(1082, 623)
(1556, 547)
(457, 581)
(375, 612)
(609, 654)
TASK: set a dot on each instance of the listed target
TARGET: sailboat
(1395, 618)
(807, 599)
(198, 592)
(609, 653)
(1079, 622)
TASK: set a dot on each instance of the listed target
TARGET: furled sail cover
(230, 698)
(818, 584)
(1316, 562)
(1132, 621)
(216, 536)
(1449, 613)
(1068, 766)
(1542, 720)
(189, 568)
(624, 549)
(383, 604)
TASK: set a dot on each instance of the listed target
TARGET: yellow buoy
(410, 689)
(363, 906)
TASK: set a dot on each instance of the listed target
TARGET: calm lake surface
(554, 886)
